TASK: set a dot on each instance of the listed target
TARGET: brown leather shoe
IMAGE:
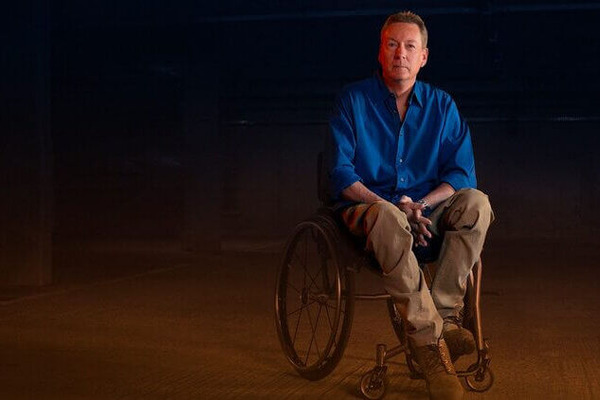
(460, 341)
(434, 360)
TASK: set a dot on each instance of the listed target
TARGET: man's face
(401, 52)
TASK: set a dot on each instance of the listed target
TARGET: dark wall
(525, 80)
(523, 75)
(26, 201)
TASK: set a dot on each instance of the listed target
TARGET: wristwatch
(426, 206)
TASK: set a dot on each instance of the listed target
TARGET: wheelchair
(314, 305)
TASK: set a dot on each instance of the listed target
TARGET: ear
(425, 56)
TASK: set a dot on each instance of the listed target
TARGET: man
(402, 170)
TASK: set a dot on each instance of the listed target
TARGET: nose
(400, 52)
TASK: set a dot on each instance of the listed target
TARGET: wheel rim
(481, 381)
(372, 390)
(309, 299)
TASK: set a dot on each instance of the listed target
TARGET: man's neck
(400, 89)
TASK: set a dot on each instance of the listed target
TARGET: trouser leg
(388, 235)
(463, 221)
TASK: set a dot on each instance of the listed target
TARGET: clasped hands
(418, 223)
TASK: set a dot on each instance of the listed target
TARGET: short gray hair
(407, 17)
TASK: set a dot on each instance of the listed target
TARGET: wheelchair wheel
(481, 381)
(373, 384)
(314, 300)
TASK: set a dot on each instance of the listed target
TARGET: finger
(422, 241)
(416, 239)
(424, 220)
(405, 200)
(424, 231)
(417, 206)
(417, 215)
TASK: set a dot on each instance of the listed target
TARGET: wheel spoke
(328, 317)
(297, 325)
(293, 287)
(304, 265)
(315, 331)
(301, 308)
(312, 339)
(332, 307)
(298, 258)
(331, 327)
(307, 273)
(313, 280)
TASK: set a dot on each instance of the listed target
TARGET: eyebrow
(398, 41)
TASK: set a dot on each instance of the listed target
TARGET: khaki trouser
(462, 221)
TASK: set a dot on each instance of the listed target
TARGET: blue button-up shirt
(392, 157)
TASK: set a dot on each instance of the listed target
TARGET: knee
(475, 200)
(388, 214)
(388, 233)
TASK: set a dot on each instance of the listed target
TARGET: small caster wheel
(481, 381)
(373, 384)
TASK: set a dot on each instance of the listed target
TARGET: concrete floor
(145, 321)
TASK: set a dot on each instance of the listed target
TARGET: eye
(392, 45)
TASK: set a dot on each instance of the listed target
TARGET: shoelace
(433, 359)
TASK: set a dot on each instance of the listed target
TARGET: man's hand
(418, 223)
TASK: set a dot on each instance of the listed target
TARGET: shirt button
(401, 179)
(401, 161)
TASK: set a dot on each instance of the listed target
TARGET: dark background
(202, 122)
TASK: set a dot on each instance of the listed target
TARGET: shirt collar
(383, 93)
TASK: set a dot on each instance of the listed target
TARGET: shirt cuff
(459, 181)
(340, 180)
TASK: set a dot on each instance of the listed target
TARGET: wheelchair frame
(314, 303)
